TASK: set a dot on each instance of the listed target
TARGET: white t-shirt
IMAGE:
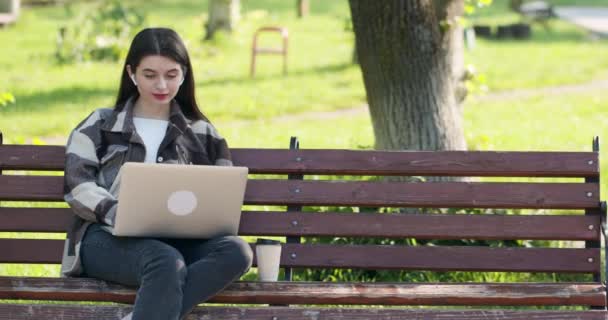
(152, 132)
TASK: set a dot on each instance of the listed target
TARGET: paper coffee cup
(268, 255)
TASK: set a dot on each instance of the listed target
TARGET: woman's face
(158, 79)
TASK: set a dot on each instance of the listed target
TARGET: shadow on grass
(41, 100)
(278, 75)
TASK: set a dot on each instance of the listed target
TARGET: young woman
(156, 119)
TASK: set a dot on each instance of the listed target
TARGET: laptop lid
(179, 201)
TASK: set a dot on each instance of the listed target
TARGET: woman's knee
(239, 253)
(162, 260)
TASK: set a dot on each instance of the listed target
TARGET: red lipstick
(160, 96)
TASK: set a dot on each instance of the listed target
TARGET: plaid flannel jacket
(98, 147)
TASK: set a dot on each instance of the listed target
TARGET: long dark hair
(167, 43)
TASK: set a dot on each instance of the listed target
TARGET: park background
(547, 92)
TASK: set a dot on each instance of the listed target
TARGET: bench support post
(1, 142)
(597, 277)
(294, 144)
(604, 233)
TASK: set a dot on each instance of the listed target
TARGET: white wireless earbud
(133, 78)
(185, 70)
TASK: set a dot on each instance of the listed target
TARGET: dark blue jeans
(173, 275)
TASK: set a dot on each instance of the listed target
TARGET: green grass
(513, 64)
(54, 98)
(558, 122)
(562, 54)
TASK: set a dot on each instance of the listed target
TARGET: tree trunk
(223, 14)
(411, 57)
(303, 8)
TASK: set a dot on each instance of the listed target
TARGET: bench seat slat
(385, 194)
(64, 312)
(420, 226)
(347, 162)
(503, 294)
(436, 258)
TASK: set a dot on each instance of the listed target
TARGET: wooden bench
(579, 221)
(533, 11)
(6, 19)
(9, 12)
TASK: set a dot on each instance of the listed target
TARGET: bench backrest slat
(31, 250)
(436, 258)
(419, 226)
(369, 194)
(348, 162)
(423, 226)
(420, 163)
(26, 157)
(435, 195)
(35, 219)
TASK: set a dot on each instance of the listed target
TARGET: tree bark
(411, 57)
(224, 15)
(303, 8)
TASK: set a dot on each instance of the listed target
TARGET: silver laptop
(179, 201)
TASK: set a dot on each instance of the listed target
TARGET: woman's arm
(215, 145)
(87, 199)
(222, 152)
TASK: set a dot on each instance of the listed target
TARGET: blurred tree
(223, 14)
(303, 8)
(411, 57)
(102, 33)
